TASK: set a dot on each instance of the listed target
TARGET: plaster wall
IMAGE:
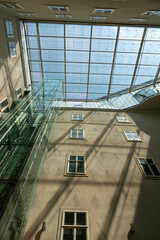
(11, 73)
(114, 190)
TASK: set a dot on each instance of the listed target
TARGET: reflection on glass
(68, 234)
(34, 54)
(77, 88)
(32, 42)
(98, 89)
(153, 34)
(149, 59)
(99, 79)
(53, 67)
(77, 67)
(128, 46)
(126, 58)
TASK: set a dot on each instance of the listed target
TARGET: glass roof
(95, 61)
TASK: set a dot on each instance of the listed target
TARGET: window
(148, 167)
(122, 119)
(63, 16)
(77, 117)
(59, 8)
(74, 225)
(105, 10)
(4, 104)
(18, 92)
(132, 136)
(11, 5)
(77, 133)
(76, 165)
(9, 29)
(12, 49)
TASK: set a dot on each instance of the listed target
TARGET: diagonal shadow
(114, 204)
(68, 131)
(96, 142)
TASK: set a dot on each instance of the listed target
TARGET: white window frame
(143, 161)
(130, 136)
(77, 116)
(76, 161)
(9, 29)
(77, 134)
(75, 226)
(5, 107)
(20, 94)
(14, 49)
(122, 119)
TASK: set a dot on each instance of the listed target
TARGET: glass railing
(24, 139)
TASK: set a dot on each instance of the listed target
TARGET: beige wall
(11, 74)
(114, 191)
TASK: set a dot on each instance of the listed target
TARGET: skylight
(11, 5)
(104, 10)
(59, 8)
(95, 61)
(152, 13)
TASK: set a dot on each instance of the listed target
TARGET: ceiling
(95, 61)
(82, 10)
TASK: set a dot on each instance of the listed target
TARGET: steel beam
(114, 56)
(138, 57)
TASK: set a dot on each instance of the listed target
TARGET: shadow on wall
(11, 72)
(147, 212)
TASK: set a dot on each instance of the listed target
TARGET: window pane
(69, 218)
(81, 234)
(155, 170)
(80, 158)
(128, 135)
(104, 31)
(149, 161)
(80, 167)
(73, 158)
(142, 160)
(147, 170)
(72, 167)
(131, 32)
(80, 133)
(74, 133)
(68, 234)
(31, 28)
(103, 45)
(81, 219)
(49, 29)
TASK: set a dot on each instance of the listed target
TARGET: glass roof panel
(77, 56)
(85, 56)
(77, 67)
(131, 33)
(51, 29)
(104, 32)
(103, 45)
(150, 59)
(128, 46)
(52, 55)
(34, 54)
(98, 89)
(53, 67)
(126, 58)
(99, 79)
(77, 88)
(32, 42)
(153, 34)
(101, 57)
(100, 68)
(31, 29)
(123, 69)
(77, 78)
(77, 44)
(78, 30)
(52, 43)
